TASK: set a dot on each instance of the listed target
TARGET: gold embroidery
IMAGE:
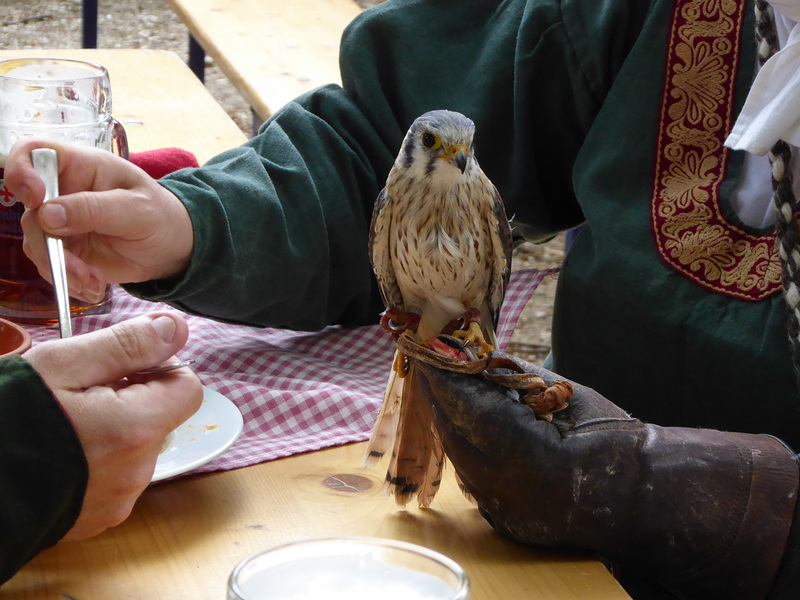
(691, 232)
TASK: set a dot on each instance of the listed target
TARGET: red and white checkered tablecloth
(297, 391)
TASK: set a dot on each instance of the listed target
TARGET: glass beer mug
(348, 568)
(59, 99)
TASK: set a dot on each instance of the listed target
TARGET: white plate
(203, 437)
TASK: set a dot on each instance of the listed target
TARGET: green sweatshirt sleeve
(281, 223)
(43, 471)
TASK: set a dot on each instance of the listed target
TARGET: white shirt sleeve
(771, 112)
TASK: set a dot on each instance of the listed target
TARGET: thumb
(107, 355)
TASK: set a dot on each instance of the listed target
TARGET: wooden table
(185, 536)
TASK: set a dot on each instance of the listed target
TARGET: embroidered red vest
(692, 234)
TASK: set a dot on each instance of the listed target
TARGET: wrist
(716, 509)
(178, 255)
(757, 550)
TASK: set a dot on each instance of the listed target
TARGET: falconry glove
(702, 513)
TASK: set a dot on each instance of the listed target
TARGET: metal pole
(89, 10)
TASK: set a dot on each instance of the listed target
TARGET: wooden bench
(271, 50)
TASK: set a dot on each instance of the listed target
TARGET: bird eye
(428, 139)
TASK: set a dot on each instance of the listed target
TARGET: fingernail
(54, 216)
(23, 193)
(165, 328)
(94, 290)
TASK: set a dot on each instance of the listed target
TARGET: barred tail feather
(418, 457)
(384, 432)
(433, 476)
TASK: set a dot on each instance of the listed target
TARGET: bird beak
(458, 155)
(461, 160)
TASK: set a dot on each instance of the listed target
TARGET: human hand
(118, 224)
(519, 468)
(121, 419)
(687, 508)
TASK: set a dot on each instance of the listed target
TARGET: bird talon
(446, 350)
(474, 335)
(400, 365)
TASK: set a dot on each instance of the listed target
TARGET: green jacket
(567, 97)
(43, 472)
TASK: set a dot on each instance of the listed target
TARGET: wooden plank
(271, 50)
(185, 537)
(158, 100)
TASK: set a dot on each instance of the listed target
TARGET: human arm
(78, 441)
(325, 156)
(696, 512)
(280, 224)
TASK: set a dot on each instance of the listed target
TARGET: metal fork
(45, 161)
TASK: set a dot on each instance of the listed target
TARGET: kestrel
(440, 246)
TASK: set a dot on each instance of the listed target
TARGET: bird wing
(380, 257)
(502, 247)
(385, 429)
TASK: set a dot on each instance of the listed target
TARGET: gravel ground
(30, 24)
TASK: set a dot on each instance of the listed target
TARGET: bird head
(439, 144)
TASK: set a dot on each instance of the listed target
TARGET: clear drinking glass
(59, 99)
(348, 568)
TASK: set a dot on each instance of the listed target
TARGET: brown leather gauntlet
(704, 513)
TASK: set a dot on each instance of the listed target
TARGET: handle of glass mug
(119, 140)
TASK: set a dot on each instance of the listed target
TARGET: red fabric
(158, 163)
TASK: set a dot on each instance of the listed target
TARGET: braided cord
(783, 198)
